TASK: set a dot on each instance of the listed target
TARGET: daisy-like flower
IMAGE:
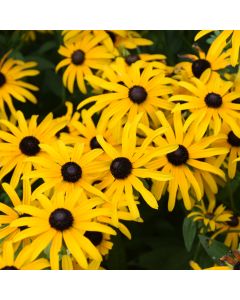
(212, 218)
(63, 218)
(137, 92)
(80, 58)
(195, 266)
(125, 167)
(182, 162)
(210, 103)
(8, 213)
(232, 142)
(8, 261)
(233, 35)
(69, 263)
(100, 240)
(22, 141)
(231, 229)
(88, 130)
(215, 59)
(11, 84)
(67, 169)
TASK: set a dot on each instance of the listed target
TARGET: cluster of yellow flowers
(148, 129)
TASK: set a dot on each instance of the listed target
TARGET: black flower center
(112, 36)
(94, 143)
(29, 145)
(94, 236)
(61, 219)
(64, 129)
(78, 57)
(22, 216)
(237, 266)
(9, 268)
(179, 156)
(131, 58)
(2, 79)
(137, 94)
(237, 101)
(121, 167)
(209, 216)
(213, 100)
(233, 221)
(199, 66)
(233, 140)
(71, 172)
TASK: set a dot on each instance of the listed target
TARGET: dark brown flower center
(94, 143)
(213, 100)
(199, 66)
(94, 236)
(2, 79)
(121, 167)
(71, 172)
(9, 268)
(179, 156)
(61, 219)
(233, 221)
(137, 94)
(78, 57)
(131, 58)
(29, 145)
(233, 140)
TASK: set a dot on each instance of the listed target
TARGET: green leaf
(189, 232)
(213, 248)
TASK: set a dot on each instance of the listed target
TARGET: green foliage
(189, 232)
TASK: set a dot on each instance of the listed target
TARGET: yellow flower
(126, 166)
(212, 218)
(22, 141)
(135, 92)
(8, 213)
(22, 261)
(195, 266)
(80, 58)
(210, 104)
(234, 36)
(11, 85)
(69, 263)
(63, 218)
(182, 162)
(66, 169)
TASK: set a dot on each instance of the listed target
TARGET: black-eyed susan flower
(80, 58)
(126, 166)
(22, 141)
(212, 218)
(210, 104)
(63, 218)
(182, 162)
(69, 263)
(88, 130)
(100, 240)
(67, 169)
(8, 261)
(8, 212)
(215, 59)
(232, 36)
(12, 87)
(135, 92)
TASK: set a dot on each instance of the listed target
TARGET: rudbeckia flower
(66, 169)
(11, 84)
(125, 167)
(63, 219)
(138, 91)
(80, 58)
(22, 261)
(233, 35)
(182, 162)
(210, 104)
(195, 266)
(22, 141)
